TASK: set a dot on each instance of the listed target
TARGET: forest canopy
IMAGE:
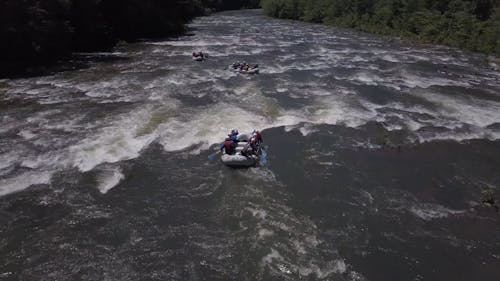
(39, 31)
(468, 24)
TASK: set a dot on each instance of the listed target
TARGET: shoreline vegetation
(41, 34)
(36, 34)
(466, 24)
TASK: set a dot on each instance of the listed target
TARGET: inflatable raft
(237, 67)
(249, 71)
(238, 159)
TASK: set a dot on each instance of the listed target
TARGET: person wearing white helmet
(258, 136)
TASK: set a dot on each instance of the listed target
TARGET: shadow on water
(76, 61)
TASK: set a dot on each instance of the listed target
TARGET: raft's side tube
(244, 137)
(238, 160)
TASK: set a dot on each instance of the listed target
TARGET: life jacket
(228, 146)
(253, 143)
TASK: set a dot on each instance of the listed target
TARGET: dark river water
(378, 152)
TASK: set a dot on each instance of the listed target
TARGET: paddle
(263, 156)
(212, 156)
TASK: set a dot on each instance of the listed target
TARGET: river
(378, 152)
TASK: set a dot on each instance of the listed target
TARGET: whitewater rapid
(151, 92)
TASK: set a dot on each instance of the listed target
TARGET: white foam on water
(468, 110)
(367, 78)
(50, 159)
(191, 43)
(428, 211)
(390, 58)
(18, 183)
(174, 79)
(319, 92)
(124, 137)
(277, 68)
(404, 115)
(262, 173)
(265, 233)
(273, 256)
(300, 66)
(109, 178)
(286, 57)
(466, 118)
(459, 136)
(412, 81)
(232, 51)
(336, 266)
(307, 129)
(102, 53)
(206, 127)
(495, 66)
(8, 159)
(358, 58)
(7, 123)
(116, 142)
(258, 213)
(335, 110)
(106, 89)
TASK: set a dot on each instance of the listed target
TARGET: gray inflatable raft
(238, 159)
(250, 71)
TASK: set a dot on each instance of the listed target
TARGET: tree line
(40, 31)
(467, 24)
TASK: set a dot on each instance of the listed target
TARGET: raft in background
(237, 67)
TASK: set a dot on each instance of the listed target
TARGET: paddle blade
(263, 156)
(212, 156)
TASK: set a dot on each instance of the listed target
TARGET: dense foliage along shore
(467, 24)
(35, 32)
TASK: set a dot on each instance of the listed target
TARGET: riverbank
(461, 24)
(41, 36)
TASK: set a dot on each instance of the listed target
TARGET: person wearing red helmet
(258, 137)
(228, 146)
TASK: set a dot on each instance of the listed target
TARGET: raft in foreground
(238, 160)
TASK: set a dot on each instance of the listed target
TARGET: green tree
(471, 24)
